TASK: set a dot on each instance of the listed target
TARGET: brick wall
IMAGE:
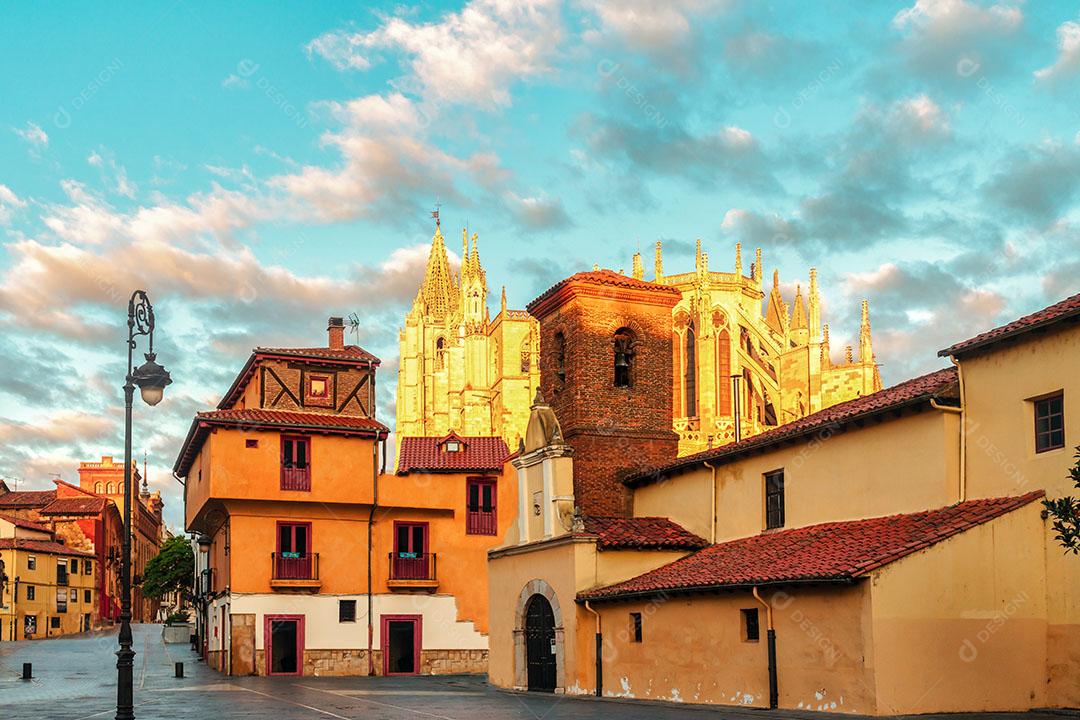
(614, 430)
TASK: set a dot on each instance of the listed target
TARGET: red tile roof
(26, 524)
(940, 384)
(641, 533)
(349, 352)
(839, 551)
(75, 506)
(27, 498)
(257, 419)
(1059, 312)
(426, 454)
(603, 277)
(46, 547)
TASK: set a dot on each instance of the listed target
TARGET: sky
(258, 167)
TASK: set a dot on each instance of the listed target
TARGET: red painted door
(410, 551)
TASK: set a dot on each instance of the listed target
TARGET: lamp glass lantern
(151, 379)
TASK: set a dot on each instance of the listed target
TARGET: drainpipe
(962, 490)
(712, 527)
(371, 521)
(599, 652)
(771, 637)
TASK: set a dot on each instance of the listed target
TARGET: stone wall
(327, 663)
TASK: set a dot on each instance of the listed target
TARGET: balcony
(413, 571)
(290, 570)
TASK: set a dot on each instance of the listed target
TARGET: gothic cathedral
(460, 369)
(738, 369)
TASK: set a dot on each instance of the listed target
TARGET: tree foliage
(171, 570)
(1066, 513)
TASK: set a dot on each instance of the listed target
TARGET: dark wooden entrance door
(284, 644)
(540, 644)
(401, 643)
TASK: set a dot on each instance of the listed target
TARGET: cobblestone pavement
(75, 679)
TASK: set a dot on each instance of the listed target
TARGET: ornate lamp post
(151, 380)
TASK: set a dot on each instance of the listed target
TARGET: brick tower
(606, 369)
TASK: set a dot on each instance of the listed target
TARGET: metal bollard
(179, 669)
(27, 671)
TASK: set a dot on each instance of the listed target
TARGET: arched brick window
(623, 356)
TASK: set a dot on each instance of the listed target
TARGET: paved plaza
(75, 679)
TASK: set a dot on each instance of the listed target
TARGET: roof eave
(702, 589)
(968, 347)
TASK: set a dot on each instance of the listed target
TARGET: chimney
(336, 330)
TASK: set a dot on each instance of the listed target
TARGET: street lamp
(151, 380)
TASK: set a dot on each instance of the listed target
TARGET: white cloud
(921, 115)
(234, 81)
(469, 57)
(112, 173)
(648, 25)
(1068, 59)
(9, 202)
(948, 17)
(33, 134)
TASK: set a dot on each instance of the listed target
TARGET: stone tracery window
(440, 354)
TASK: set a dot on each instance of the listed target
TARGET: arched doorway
(540, 644)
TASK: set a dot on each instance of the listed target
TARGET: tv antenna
(354, 326)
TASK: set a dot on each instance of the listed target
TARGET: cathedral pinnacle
(437, 293)
(866, 347)
(659, 262)
(814, 307)
(639, 270)
(738, 259)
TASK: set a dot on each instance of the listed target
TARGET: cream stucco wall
(901, 465)
(1001, 460)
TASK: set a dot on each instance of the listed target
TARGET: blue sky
(260, 166)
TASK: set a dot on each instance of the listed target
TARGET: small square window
(635, 627)
(31, 563)
(346, 611)
(318, 387)
(54, 623)
(251, 443)
(1049, 423)
(452, 446)
(750, 630)
(31, 592)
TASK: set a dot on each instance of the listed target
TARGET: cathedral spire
(776, 316)
(798, 313)
(815, 307)
(437, 292)
(639, 270)
(866, 347)
(757, 267)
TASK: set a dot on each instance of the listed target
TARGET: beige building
(886, 555)
(459, 368)
(735, 365)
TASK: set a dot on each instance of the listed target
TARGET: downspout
(961, 491)
(712, 526)
(599, 652)
(371, 521)
(770, 635)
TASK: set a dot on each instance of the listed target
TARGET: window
(346, 611)
(88, 567)
(110, 489)
(480, 518)
(295, 463)
(750, 630)
(690, 370)
(293, 561)
(98, 487)
(31, 592)
(440, 354)
(54, 622)
(452, 446)
(61, 600)
(635, 627)
(74, 595)
(774, 499)
(61, 573)
(251, 443)
(31, 563)
(410, 552)
(317, 386)
(1049, 423)
(74, 567)
(88, 596)
(624, 354)
(560, 357)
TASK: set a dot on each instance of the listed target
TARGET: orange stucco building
(886, 555)
(313, 560)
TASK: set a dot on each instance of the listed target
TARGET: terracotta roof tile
(818, 553)
(937, 384)
(26, 524)
(1058, 312)
(27, 498)
(349, 352)
(604, 277)
(426, 454)
(642, 533)
(75, 506)
(46, 547)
